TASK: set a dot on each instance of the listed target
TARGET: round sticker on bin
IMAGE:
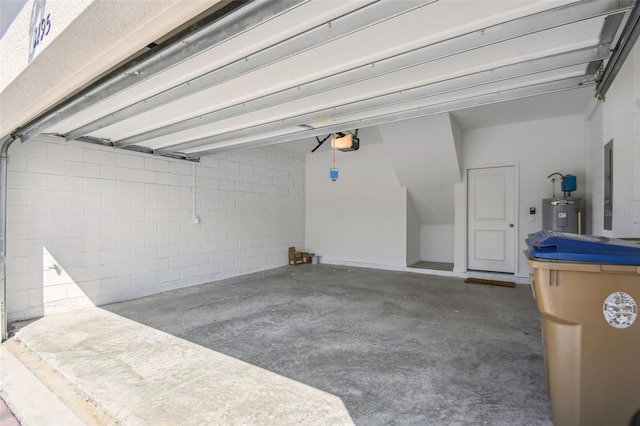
(620, 310)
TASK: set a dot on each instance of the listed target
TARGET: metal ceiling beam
(607, 36)
(491, 98)
(562, 60)
(630, 34)
(480, 38)
(237, 18)
(142, 149)
(357, 20)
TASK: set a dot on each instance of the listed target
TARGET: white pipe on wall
(4, 157)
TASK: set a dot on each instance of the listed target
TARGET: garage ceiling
(274, 71)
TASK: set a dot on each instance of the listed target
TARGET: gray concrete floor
(312, 344)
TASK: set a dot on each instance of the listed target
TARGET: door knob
(511, 225)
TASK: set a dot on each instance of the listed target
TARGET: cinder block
(69, 246)
(167, 179)
(145, 176)
(144, 253)
(100, 243)
(156, 165)
(116, 200)
(168, 251)
(130, 215)
(26, 214)
(179, 238)
(65, 214)
(180, 215)
(115, 228)
(24, 248)
(24, 180)
(84, 288)
(80, 169)
(156, 215)
(116, 284)
(151, 240)
(54, 293)
(187, 181)
(228, 165)
(200, 259)
(179, 261)
(115, 173)
(189, 248)
(76, 261)
(99, 214)
(96, 156)
(30, 280)
(130, 188)
(245, 187)
(145, 279)
(17, 300)
(17, 163)
(46, 165)
(189, 272)
(169, 227)
(155, 190)
(43, 230)
(201, 170)
(32, 148)
(129, 161)
(115, 256)
(83, 229)
(130, 268)
(144, 202)
(86, 199)
(143, 228)
(16, 197)
(180, 192)
(100, 272)
(100, 185)
(169, 275)
(64, 152)
(156, 264)
(65, 183)
(130, 241)
(169, 203)
(180, 168)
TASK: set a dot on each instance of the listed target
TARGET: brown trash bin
(591, 340)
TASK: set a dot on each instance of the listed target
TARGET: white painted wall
(540, 148)
(120, 224)
(363, 216)
(618, 118)
(594, 168)
(437, 242)
(413, 233)
(423, 150)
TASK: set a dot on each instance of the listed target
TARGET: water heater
(563, 214)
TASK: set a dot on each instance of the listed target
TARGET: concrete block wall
(90, 225)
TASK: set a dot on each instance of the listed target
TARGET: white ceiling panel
(575, 36)
(463, 49)
(301, 18)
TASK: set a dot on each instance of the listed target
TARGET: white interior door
(491, 219)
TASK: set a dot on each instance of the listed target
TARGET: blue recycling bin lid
(555, 245)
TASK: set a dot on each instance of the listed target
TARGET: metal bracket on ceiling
(628, 37)
(137, 148)
(320, 142)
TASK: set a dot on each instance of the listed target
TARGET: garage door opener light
(345, 142)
